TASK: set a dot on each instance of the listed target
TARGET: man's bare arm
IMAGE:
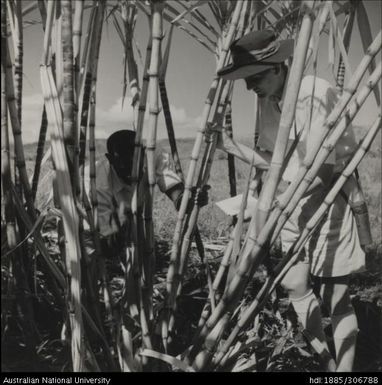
(261, 159)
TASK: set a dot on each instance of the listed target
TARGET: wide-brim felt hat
(256, 52)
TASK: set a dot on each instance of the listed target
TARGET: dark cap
(119, 141)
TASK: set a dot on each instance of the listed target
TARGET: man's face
(267, 83)
(122, 164)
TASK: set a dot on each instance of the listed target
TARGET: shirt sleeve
(106, 213)
(316, 100)
(105, 208)
(166, 177)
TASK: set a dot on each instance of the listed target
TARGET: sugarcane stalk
(66, 198)
(71, 140)
(103, 341)
(223, 98)
(141, 115)
(146, 277)
(18, 72)
(15, 93)
(366, 38)
(21, 212)
(144, 258)
(256, 185)
(16, 128)
(232, 249)
(39, 153)
(205, 167)
(195, 156)
(239, 229)
(69, 105)
(243, 16)
(157, 32)
(87, 42)
(77, 34)
(42, 9)
(70, 216)
(57, 50)
(85, 85)
(56, 272)
(287, 114)
(76, 43)
(92, 149)
(348, 29)
(22, 266)
(340, 41)
(231, 159)
(11, 22)
(294, 252)
(128, 21)
(8, 211)
(146, 243)
(251, 17)
(92, 114)
(322, 18)
(141, 291)
(166, 107)
(170, 129)
(125, 350)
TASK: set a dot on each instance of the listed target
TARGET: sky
(189, 76)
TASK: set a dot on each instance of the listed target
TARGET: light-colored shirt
(115, 197)
(317, 98)
(315, 101)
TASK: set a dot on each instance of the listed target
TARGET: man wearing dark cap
(115, 187)
(334, 252)
(114, 181)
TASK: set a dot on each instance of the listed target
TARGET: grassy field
(212, 221)
(279, 343)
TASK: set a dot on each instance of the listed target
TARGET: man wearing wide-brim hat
(334, 251)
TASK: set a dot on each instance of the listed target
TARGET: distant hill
(186, 145)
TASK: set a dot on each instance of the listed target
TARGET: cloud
(117, 118)
(109, 119)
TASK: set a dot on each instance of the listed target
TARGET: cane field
(280, 345)
(192, 290)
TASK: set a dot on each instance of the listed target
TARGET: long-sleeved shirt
(115, 197)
